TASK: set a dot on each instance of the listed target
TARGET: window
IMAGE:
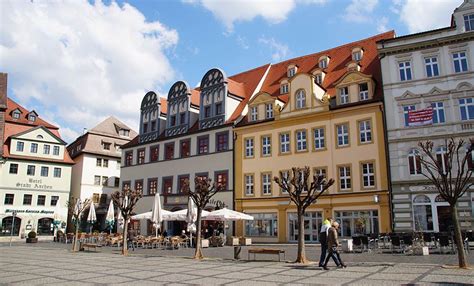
(20, 146)
(344, 95)
(181, 182)
(145, 127)
(222, 143)
(116, 182)
(44, 171)
(139, 186)
(405, 70)
(342, 135)
(219, 108)
(268, 110)
(283, 88)
(266, 146)
(358, 222)
(264, 224)
(431, 65)
(300, 99)
(95, 198)
(357, 56)
(460, 62)
(221, 179)
(368, 175)
(422, 213)
(301, 140)
(286, 175)
(140, 156)
(182, 118)
(207, 111)
(414, 162)
(128, 158)
(154, 152)
(54, 200)
(126, 185)
(365, 131)
(363, 91)
(97, 180)
(323, 63)
(57, 172)
(41, 201)
(152, 186)
(153, 126)
(103, 199)
(469, 22)
(124, 132)
(319, 138)
(267, 184)
(169, 151)
(320, 172)
(27, 199)
(249, 144)
(466, 106)
(172, 120)
(167, 185)
(30, 170)
(105, 162)
(31, 117)
(319, 78)
(16, 114)
(406, 109)
(249, 185)
(291, 72)
(56, 150)
(185, 148)
(98, 162)
(203, 144)
(345, 178)
(46, 149)
(106, 145)
(442, 158)
(438, 112)
(285, 143)
(34, 148)
(253, 113)
(13, 168)
(9, 199)
(105, 181)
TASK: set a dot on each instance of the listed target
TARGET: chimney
(3, 108)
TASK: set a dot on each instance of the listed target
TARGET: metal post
(13, 227)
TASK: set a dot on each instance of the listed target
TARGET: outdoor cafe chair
(444, 242)
(357, 243)
(397, 243)
(365, 243)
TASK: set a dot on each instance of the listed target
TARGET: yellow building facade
(329, 118)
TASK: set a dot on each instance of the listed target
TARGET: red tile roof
(12, 105)
(164, 105)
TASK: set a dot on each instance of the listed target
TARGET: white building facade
(432, 70)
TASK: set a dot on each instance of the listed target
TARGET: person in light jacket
(323, 239)
(333, 243)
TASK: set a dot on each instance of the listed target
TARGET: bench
(266, 251)
(90, 245)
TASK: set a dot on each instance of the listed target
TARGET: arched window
(414, 162)
(422, 213)
(300, 99)
(442, 158)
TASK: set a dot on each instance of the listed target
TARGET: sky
(78, 62)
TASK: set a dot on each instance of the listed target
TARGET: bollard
(237, 250)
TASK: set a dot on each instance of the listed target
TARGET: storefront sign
(34, 184)
(29, 211)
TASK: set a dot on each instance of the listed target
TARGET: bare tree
(76, 208)
(125, 200)
(203, 191)
(449, 172)
(303, 194)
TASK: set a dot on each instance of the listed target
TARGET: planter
(421, 250)
(31, 240)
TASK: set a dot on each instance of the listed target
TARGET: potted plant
(31, 237)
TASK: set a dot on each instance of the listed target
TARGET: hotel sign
(34, 184)
(27, 211)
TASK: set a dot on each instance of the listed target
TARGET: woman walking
(333, 243)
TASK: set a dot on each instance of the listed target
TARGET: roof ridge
(248, 71)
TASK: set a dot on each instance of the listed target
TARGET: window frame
(168, 145)
(269, 111)
(405, 68)
(152, 153)
(262, 183)
(342, 95)
(262, 147)
(252, 155)
(300, 100)
(363, 92)
(253, 114)
(44, 171)
(227, 148)
(339, 185)
(20, 146)
(138, 182)
(460, 59)
(57, 172)
(363, 175)
(34, 148)
(181, 142)
(30, 167)
(348, 134)
(199, 138)
(129, 158)
(221, 172)
(46, 149)
(280, 143)
(284, 88)
(25, 202)
(438, 111)
(315, 172)
(149, 185)
(10, 197)
(140, 158)
(430, 66)
(13, 166)
(305, 141)
(466, 106)
(468, 22)
(167, 179)
(56, 150)
(323, 128)
(180, 180)
(416, 171)
(245, 184)
(370, 131)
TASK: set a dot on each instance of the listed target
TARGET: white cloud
(419, 15)
(242, 42)
(83, 62)
(231, 11)
(278, 50)
(382, 24)
(359, 11)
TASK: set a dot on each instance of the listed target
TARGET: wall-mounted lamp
(376, 198)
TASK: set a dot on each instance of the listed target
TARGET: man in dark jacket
(333, 243)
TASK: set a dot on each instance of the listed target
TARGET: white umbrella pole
(156, 230)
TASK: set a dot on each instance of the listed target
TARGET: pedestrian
(323, 235)
(333, 243)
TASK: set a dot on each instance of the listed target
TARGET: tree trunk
(458, 238)
(198, 252)
(124, 239)
(74, 244)
(301, 256)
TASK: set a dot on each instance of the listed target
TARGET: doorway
(445, 220)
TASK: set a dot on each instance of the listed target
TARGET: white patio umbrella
(77, 207)
(91, 218)
(191, 217)
(157, 213)
(227, 215)
(110, 218)
(181, 215)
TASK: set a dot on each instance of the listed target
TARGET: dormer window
(124, 132)
(363, 91)
(323, 62)
(253, 113)
(469, 22)
(291, 71)
(16, 114)
(31, 117)
(268, 110)
(344, 95)
(284, 88)
(300, 99)
(318, 78)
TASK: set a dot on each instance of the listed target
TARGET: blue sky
(78, 62)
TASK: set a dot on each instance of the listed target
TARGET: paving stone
(19, 278)
(175, 277)
(393, 276)
(266, 270)
(253, 283)
(142, 274)
(444, 279)
(405, 270)
(277, 278)
(82, 276)
(206, 272)
(239, 275)
(210, 281)
(325, 280)
(39, 281)
(109, 279)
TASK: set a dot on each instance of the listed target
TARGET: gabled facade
(97, 157)
(432, 70)
(35, 174)
(197, 141)
(334, 125)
